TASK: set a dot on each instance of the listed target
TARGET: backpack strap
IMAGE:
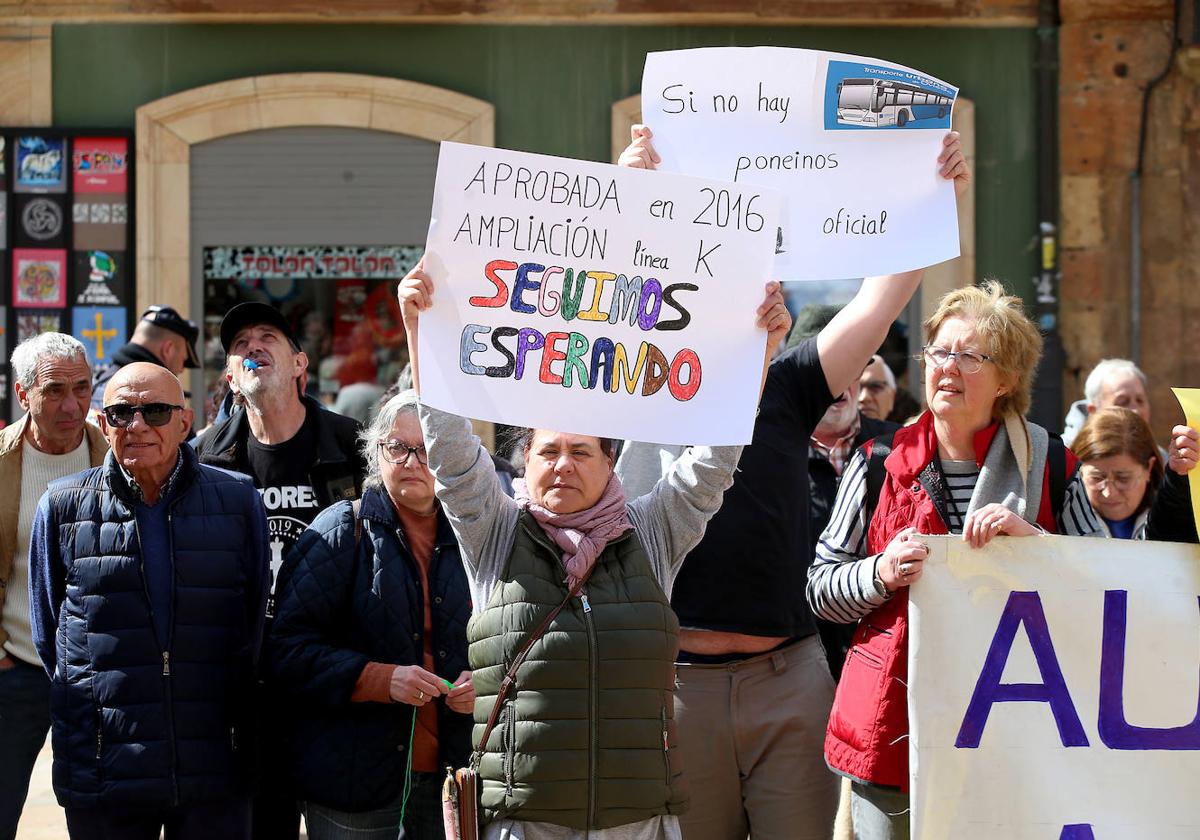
(881, 448)
(1056, 461)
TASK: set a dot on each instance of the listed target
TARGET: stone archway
(167, 129)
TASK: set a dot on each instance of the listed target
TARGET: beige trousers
(752, 736)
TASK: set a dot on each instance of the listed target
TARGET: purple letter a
(1022, 608)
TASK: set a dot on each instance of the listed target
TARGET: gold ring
(420, 695)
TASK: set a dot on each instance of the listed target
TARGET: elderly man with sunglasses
(53, 385)
(148, 579)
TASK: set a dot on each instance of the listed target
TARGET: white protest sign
(851, 141)
(595, 299)
(1053, 690)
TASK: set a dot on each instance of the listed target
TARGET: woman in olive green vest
(585, 740)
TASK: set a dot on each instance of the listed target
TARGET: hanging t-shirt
(280, 472)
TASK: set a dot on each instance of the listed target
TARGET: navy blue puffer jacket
(339, 606)
(140, 720)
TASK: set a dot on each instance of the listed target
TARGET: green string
(408, 769)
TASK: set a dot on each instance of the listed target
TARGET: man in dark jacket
(302, 459)
(162, 337)
(151, 649)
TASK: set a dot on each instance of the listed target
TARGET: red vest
(867, 737)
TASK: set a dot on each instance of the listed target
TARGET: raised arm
(482, 515)
(1171, 516)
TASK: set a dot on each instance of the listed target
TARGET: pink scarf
(584, 534)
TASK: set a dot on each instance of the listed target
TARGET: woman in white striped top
(971, 464)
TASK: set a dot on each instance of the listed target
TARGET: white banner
(1053, 691)
(851, 141)
(594, 299)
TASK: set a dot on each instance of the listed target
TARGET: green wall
(553, 85)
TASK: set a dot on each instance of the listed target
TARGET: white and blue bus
(883, 102)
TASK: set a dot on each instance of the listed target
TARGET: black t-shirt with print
(280, 472)
(748, 573)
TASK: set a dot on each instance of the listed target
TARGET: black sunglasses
(155, 414)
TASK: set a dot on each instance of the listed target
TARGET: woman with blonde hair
(970, 465)
(1121, 470)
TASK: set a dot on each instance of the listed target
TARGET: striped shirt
(961, 478)
(841, 580)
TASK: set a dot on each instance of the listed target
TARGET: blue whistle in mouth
(249, 364)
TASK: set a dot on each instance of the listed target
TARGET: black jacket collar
(225, 445)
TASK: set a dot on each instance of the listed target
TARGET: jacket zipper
(593, 706)
(166, 650)
(666, 746)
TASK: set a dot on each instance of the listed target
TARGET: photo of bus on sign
(864, 96)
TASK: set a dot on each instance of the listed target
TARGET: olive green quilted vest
(586, 738)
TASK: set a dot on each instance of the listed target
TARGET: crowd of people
(293, 615)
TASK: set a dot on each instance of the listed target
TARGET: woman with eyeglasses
(970, 465)
(370, 639)
(1121, 470)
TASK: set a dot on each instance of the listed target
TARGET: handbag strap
(510, 677)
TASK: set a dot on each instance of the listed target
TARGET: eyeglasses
(396, 452)
(967, 361)
(155, 414)
(1095, 479)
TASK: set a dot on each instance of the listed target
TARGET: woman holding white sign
(575, 733)
(970, 465)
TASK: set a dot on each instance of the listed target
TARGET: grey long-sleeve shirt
(669, 520)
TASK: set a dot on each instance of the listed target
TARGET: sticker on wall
(99, 279)
(39, 278)
(101, 329)
(3, 214)
(40, 221)
(41, 165)
(100, 220)
(30, 324)
(3, 171)
(100, 164)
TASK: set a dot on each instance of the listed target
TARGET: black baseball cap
(250, 313)
(167, 318)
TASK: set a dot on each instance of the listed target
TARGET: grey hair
(375, 432)
(887, 370)
(52, 345)
(1101, 372)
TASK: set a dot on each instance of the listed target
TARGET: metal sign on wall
(66, 241)
(309, 262)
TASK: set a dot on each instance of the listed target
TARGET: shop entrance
(319, 222)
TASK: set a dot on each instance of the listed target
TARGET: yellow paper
(1189, 399)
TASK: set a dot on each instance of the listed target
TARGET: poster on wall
(99, 164)
(100, 278)
(851, 142)
(30, 324)
(39, 278)
(40, 165)
(101, 329)
(3, 219)
(40, 221)
(3, 335)
(99, 221)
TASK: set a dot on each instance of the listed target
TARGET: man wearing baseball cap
(162, 337)
(302, 459)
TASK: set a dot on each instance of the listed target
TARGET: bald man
(152, 648)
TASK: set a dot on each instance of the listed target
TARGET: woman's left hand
(461, 698)
(992, 521)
